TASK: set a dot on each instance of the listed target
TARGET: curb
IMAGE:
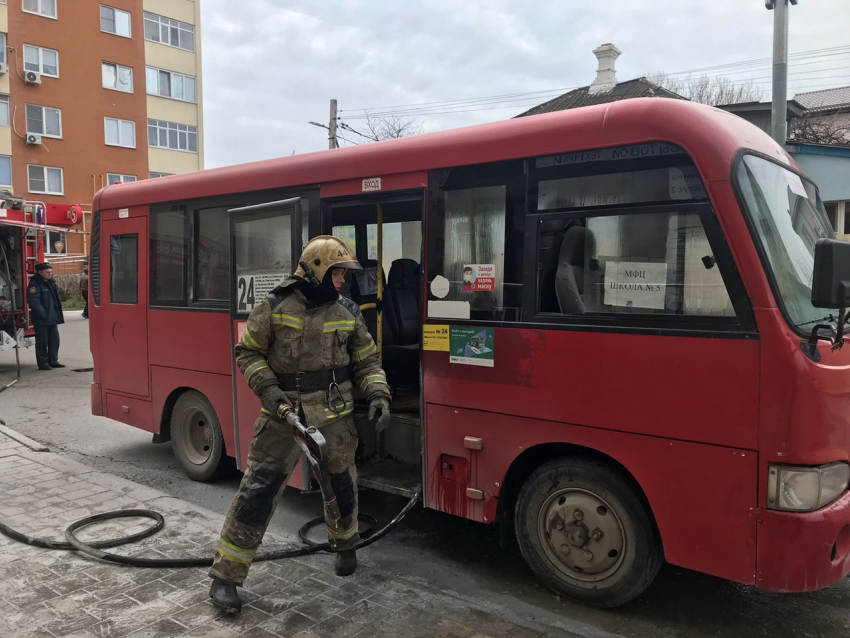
(35, 446)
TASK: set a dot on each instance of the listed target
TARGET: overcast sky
(271, 66)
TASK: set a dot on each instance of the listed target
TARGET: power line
(509, 100)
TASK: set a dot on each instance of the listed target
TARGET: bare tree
(386, 127)
(714, 90)
(819, 130)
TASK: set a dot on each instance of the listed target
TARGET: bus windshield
(789, 218)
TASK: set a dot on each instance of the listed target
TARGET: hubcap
(581, 534)
(196, 435)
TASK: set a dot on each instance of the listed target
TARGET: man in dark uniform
(45, 315)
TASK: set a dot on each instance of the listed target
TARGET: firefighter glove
(382, 404)
(271, 398)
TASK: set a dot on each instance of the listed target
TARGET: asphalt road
(443, 551)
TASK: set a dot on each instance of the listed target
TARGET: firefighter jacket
(289, 334)
(43, 299)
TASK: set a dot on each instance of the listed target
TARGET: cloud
(270, 66)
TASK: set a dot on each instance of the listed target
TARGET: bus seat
(569, 276)
(364, 290)
(403, 292)
(402, 324)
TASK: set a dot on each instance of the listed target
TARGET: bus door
(386, 235)
(125, 297)
(265, 246)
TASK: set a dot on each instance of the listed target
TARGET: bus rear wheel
(586, 534)
(196, 437)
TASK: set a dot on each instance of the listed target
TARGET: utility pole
(779, 108)
(332, 141)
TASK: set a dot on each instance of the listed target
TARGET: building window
(43, 120)
(170, 32)
(4, 109)
(172, 85)
(5, 170)
(46, 8)
(55, 243)
(156, 175)
(115, 21)
(3, 47)
(41, 60)
(46, 180)
(177, 137)
(120, 132)
(118, 178)
(117, 77)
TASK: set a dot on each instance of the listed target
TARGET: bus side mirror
(831, 277)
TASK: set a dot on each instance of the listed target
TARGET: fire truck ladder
(5, 257)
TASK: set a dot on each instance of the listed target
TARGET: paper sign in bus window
(479, 278)
(635, 284)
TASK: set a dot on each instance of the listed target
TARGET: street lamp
(779, 105)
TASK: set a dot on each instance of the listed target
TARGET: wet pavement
(439, 551)
(48, 593)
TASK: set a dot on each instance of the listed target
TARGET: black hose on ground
(94, 548)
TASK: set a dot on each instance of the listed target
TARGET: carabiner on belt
(334, 401)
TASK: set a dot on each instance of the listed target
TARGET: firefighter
(307, 346)
(45, 315)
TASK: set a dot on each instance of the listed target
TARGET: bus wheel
(583, 530)
(196, 437)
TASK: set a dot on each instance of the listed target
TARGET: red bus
(596, 324)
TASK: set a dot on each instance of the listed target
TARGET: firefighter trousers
(272, 457)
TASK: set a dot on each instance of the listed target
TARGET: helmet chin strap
(324, 292)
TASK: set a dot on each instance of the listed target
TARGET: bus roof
(711, 136)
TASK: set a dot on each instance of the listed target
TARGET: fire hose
(314, 447)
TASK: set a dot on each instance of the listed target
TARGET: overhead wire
(531, 98)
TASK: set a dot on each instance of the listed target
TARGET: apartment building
(93, 94)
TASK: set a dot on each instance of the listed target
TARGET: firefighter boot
(346, 562)
(224, 596)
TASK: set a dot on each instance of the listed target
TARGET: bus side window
(475, 241)
(632, 263)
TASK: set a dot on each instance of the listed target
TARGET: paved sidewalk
(57, 594)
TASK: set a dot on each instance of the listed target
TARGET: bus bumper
(97, 400)
(804, 552)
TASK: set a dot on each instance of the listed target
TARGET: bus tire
(196, 437)
(586, 533)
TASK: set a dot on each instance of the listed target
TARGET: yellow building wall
(183, 10)
(162, 108)
(176, 162)
(173, 59)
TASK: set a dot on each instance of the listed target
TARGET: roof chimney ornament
(606, 74)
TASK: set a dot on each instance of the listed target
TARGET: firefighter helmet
(325, 252)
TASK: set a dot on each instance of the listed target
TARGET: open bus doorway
(386, 235)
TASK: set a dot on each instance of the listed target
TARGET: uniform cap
(325, 252)
(43, 266)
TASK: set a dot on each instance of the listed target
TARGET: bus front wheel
(196, 437)
(586, 533)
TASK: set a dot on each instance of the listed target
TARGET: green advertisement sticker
(472, 346)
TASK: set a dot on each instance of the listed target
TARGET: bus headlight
(805, 489)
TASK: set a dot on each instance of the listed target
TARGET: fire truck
(23, 225)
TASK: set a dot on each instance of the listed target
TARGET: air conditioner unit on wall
(33, 139)
(31, 77)
(4, 68)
